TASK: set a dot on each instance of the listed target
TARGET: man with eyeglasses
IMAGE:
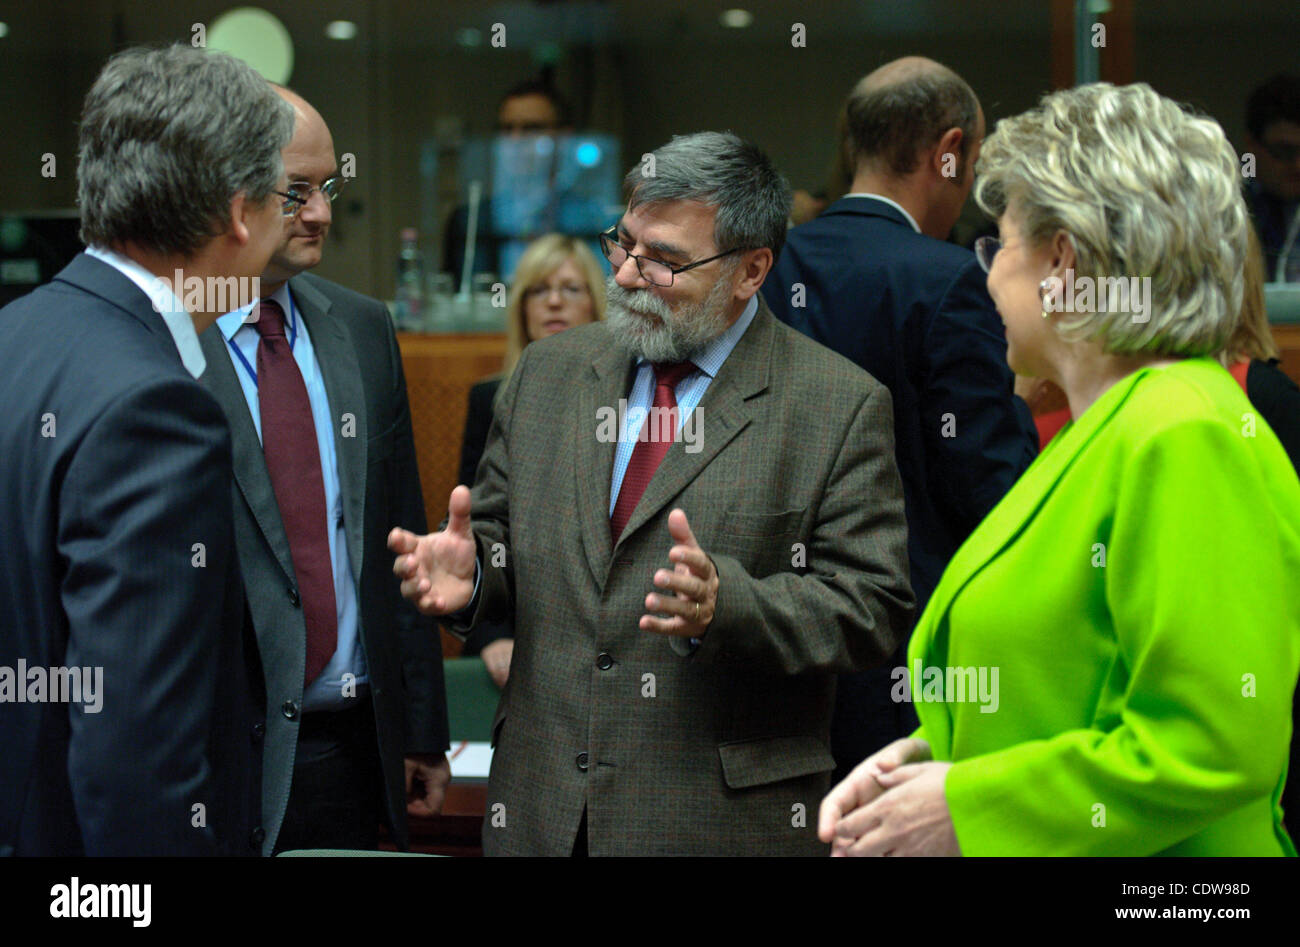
(1273, 193)
(686, 584)
(529, 108)
(311, 382)
(875, 279)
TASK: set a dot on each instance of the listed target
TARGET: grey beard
(678, 336)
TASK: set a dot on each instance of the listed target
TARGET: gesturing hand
(693, 579)
(437, 570)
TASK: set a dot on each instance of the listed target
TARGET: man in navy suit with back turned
(118, 559)
(874, 279)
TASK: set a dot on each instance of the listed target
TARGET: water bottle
(410, 283)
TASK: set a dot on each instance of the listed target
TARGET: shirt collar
(894, 204)
(165, 302)
(709, 359)
(236, 319)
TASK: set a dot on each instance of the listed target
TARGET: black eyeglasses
(655, 272)
(300, 193)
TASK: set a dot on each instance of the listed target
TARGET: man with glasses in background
(681, 604)
(1273, 193)
(311, 382)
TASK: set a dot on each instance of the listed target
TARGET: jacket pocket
(763, 543)
(748, 763)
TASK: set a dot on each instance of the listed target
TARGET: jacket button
(257, 837)
(604, 661)
(294, 599)
(290, 709)
(259, 731)
(582, 761)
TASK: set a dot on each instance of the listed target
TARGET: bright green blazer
(1138, 591)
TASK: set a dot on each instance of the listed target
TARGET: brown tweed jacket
(721, 749)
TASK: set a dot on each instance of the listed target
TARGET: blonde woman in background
(558, 285)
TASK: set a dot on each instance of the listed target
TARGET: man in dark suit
(311, 382)
(874, 279)
(118, 576)
(694, 516)
(530, 108)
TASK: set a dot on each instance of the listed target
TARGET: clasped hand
(892, 803)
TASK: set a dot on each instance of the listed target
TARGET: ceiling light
(341, 29)
(736, 19)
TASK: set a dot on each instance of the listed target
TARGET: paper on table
(470, 760)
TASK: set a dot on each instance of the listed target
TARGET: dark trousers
(337, 796)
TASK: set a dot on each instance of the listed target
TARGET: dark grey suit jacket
(362, 368)
(118, 553)
(795, 496)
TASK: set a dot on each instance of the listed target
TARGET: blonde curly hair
(1144, 188)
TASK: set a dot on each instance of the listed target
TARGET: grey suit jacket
(362, 368)
(721, 749)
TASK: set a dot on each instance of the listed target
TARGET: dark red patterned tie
(293, 460)
(651, 446)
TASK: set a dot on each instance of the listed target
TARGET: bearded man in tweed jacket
(693, 515)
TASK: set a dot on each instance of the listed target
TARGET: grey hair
(722, 170)
(1144, 189)
(168, 137)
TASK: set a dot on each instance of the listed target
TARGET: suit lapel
(251, 475)
(611, 378)
(337, 358)
(100, 279)
(724, 413)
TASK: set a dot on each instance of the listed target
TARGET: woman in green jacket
(1107, 665)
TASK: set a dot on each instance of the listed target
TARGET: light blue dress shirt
(689, 392)
(327, 691)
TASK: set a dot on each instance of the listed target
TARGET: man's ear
(237, 224)
(949, 144)
(753, 269)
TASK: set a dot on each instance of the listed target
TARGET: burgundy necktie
(293, 461)
(651, 446)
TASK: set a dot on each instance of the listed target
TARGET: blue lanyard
(293, 337)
